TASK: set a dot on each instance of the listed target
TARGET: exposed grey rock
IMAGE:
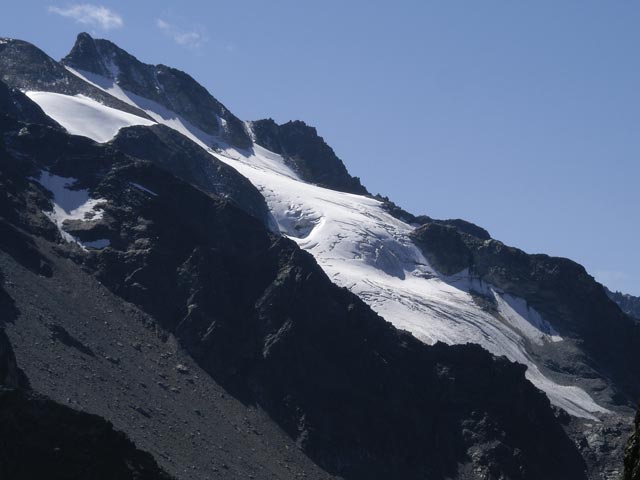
(307, 153)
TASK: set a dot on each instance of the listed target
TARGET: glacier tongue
(361, 247)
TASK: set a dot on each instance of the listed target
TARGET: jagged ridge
(308, 154)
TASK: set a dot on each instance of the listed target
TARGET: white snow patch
(69, 203)
(80, 115)
(362, 247)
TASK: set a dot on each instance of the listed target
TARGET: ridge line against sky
(522, 118)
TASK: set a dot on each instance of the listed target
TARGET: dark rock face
(461, 225)
(181, 157)
(627, 303)
(308, 154)
(24, 66)
(444, 248)
(575, 304)
(258, 314)
(632, 454)
(42, 439)
(17, 105)
(166, 86)
(466, 227)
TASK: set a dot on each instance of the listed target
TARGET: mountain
(245, 308)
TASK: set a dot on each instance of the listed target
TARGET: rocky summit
(185, 295)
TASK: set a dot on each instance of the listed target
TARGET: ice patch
(69, 203)
(525, 319)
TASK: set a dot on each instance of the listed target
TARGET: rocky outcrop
(444, 248)
(632, 454)
(15, 104)
(627, 303)
(418, 220)
(307, 153)
(171, 88)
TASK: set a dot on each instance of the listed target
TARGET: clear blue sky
(523, 117)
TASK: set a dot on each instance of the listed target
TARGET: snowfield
(359, 245)
(72, 204)
(80, 115)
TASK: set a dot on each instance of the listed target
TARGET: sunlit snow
(80, 115)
